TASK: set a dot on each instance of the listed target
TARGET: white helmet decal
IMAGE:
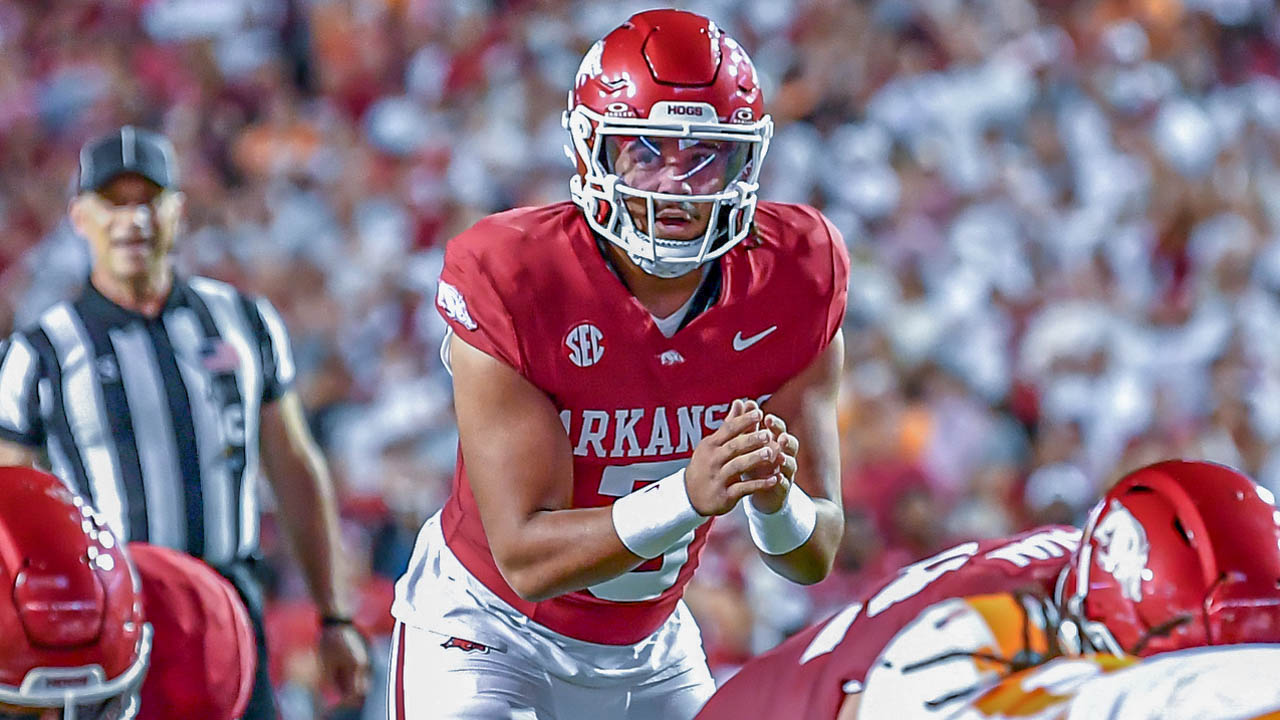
(1123, 550)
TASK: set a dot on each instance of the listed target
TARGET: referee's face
(130, 224)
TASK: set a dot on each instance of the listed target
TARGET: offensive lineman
(625, 367)
(1177, 555)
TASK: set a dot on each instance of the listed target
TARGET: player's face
(679, 166)
(130, 224)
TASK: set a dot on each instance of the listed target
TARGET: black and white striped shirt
(153, 419)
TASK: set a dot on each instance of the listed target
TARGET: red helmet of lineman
(73, 641)
(1178, 554)
(72, 636)
(666, 113)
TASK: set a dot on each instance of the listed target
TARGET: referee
(158, 397)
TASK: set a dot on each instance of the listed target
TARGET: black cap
(128, 149)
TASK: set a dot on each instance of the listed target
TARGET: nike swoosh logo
(740, 343)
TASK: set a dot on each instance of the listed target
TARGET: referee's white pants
(459, 651)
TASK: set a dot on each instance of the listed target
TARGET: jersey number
(642, 583)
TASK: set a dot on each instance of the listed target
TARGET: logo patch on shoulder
(451, 302)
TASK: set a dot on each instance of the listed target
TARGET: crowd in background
(1064, 218)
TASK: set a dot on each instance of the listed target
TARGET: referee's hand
(345, 660)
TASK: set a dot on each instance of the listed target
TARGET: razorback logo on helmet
(465, 645)
(1123, 549)
(451, 301)
(590, 66)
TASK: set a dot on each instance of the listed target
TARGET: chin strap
(1159, 631)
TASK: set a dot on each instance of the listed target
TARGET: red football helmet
(1178, 554)
(667, 110)
(204, 657)
(72, 634)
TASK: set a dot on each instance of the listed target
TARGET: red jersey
(807, 676)
(532, 288)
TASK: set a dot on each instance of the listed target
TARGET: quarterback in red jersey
(626, 366)
(1177, 555)
(92, 631)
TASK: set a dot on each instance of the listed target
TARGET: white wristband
(652, 519)
(781, 532)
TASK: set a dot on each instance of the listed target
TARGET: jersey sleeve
(838, 292)
(20, 420)
(471, 302)
(278, 369)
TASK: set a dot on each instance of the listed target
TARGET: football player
(1176, 555)
(626, 366)
(92, 631)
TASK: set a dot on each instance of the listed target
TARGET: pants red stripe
(399, 679)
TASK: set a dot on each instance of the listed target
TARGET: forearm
(554, 552)
(308, 510)
(811, 562)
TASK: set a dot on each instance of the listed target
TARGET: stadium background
(1064, 219)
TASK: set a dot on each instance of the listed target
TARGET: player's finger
(735, 409)
(775, 423)
(737, 425)
(746, 442)
(745, 406)
(766, 456)
(739, 490)
(789, 443)
(788, 467)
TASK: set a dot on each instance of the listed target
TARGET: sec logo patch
(585, 343)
